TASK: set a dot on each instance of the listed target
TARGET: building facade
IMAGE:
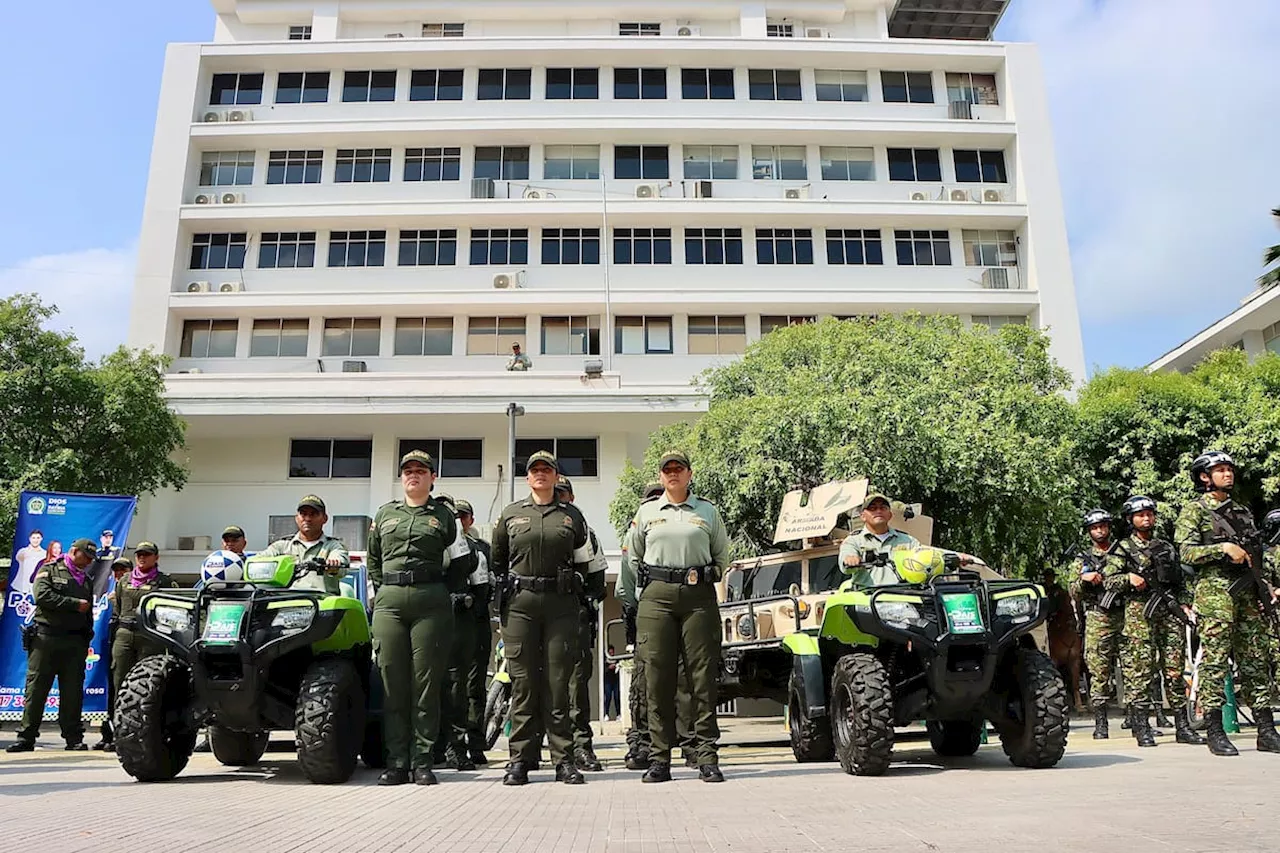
(1253, 327)
(355, 208)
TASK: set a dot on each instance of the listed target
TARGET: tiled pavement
(1108, 796)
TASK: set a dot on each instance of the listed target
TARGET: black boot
(1268, 740)
(1100, 725)
(659, 771)
(1162, 719)
(517, 774)
(21, 745)
(458, 759)
(424, 776)
(1140, 722)
(1186, 734)
(1217, 738)
(586, 760)
(710, 773)
(637, 760)
(395, 776)
(567, 773)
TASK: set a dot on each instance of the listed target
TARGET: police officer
(680, 549)
(1103, 617)
(63, 630)
(588, 614)
(411, 543)
(877, 537)
(541, 556)
(476, 671)
(121, 567)
(1151, 647)
(450, 746)
(145, 577)
(1210, 533)
(310, 543)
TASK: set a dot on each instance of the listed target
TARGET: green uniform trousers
(1170, 638)
(127, 649)
(580, 682)
(674, 622)
(638, 742)
(412, 626)
(1102, 632)
(60, 656)
(478, 677)
(1232, 629)
(540, 643)
(1139, 657)
(453, 702)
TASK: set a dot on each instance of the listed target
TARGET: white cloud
(1166, 124)
(92, 289)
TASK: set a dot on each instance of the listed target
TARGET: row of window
(361, 337)
(347, 458)
(773, 29)
(577, 246)
(582, 162)
(577, 84)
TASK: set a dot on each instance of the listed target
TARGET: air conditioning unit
(649, 191)
(992, 196)
(212, 115)
(920, 195)
(482, 187)
(198, 287)
(507, 280)
(206, 198)
(960, 109)
(195, 543)
(702, 189)
(996, 278)
(230, 287)
(232, 198)
(795, 193)
(959, 195)
(817, 33)
(689, 31)
(354, 367)
(240, 115)
(534, 194)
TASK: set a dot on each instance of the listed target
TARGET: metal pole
(511, 453)
(606, 246)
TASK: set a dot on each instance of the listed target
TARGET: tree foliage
(74, 425)
(1270, 259)
(969, 422)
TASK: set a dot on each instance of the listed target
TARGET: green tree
(1269, 257)
(971, 423)
(74, 425)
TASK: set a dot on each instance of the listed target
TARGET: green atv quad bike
(272, 651)
(949, 646)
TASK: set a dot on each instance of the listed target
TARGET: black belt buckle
(694, 577)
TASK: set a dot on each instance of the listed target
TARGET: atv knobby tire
(497, 703)
(154, 734)
(237, 749)
(862, 714)
(330, 721)
(955, 738)
(810, 738)
(1036, 734)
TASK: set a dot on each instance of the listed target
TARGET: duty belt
(533, 584)
(688, 577)
(412, 577)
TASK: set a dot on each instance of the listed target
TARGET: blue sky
(1165, 122)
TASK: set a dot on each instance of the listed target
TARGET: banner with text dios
(48, 522)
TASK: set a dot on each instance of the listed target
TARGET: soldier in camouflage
(1232, 626)
(1103, 621)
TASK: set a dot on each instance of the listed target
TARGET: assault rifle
(1239, 529)
(1163, 574)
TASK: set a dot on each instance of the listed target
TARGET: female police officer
(541, 554)
(679, 548)
(411, 543)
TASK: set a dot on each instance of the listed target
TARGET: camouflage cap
(233, 532)
(652, 490)
(873, 496)
(463, 508)
(85, 544)
(420, 456)
(564, 484)
(122, 563)
(312, 501)
(674, 456)
(146, 547)
(546, 457)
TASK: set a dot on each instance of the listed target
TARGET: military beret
(545, 457)
(419, 456)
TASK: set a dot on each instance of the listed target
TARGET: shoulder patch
(41, 575)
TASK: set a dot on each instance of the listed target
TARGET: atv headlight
(1019, 608)
(747, 626)
(899, 614)
(293, 618)
(172, 618)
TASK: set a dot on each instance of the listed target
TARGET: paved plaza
(1108, 796)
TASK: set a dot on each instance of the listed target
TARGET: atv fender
(806, 672)
(353, 627)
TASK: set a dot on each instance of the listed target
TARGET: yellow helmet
(917, 565)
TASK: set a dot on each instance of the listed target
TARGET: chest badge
(568, 521)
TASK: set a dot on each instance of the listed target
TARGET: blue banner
(48, 522)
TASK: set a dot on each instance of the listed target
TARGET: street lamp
(513, 412)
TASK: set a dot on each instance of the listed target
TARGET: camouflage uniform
(1231, 628)
(1150, 648)
(1102, 631)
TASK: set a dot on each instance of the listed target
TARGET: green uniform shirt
(864, 540)
(58, 596)
(407, 538)
(326, 547)
(533, 540)
(1088, 593)
(128, 598)
(687, 535)
(1134, 555)
(1194, 536)
(1272, 556)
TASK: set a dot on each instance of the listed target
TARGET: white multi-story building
(356, 207)
(1254, 327)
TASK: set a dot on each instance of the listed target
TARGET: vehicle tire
(154, 735)
(373, 751)
(862, 714)
(955, 738)
(1035, 734)
(496, 705)
(237, 749)
(810, 737)
(329, 723)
